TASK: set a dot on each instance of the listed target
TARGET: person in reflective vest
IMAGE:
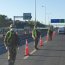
(50, 32)
(11, 42)
(35, 36)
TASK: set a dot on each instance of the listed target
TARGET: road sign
(57, 20)
(27, 16)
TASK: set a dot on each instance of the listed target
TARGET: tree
(5, 21)
(31, 23)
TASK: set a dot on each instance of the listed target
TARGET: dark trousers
(11, 55)
(50, 35)
(36, 42)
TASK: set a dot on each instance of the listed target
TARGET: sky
(55, 9)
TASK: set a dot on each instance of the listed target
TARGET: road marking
(45, 41)
(30, 53)
(25, 57)
(33, 51)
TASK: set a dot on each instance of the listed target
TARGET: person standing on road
(35, 36)
(50, 32)
(11, 42)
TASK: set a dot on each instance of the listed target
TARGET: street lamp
(45, 13)
(35, 12)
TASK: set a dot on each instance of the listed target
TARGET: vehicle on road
(61, 30)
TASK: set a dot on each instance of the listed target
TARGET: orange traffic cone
(41, 41)
(26, 48)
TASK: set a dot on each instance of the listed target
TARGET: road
(51, 53)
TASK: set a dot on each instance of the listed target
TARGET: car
(61, 30)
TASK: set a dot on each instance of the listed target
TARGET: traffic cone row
(26, 46)
(41, 44)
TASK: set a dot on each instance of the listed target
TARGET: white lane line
(33, 51)
(30, 53)
(25, 57)
(45, 41)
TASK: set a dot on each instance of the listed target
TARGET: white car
(61, 30)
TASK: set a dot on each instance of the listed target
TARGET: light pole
(45, 13)
(35, 12)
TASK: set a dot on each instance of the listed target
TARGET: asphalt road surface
(51, 53)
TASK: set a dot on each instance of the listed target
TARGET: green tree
(5, 21)
(31, 23)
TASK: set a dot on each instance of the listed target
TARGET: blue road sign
(54, 20)
(27, 16)
(57, 20)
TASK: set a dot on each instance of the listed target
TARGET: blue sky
(55, 9)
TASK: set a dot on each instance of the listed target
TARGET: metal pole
(14, 20)
(16, 17)
(35, 12)
(45, 13)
